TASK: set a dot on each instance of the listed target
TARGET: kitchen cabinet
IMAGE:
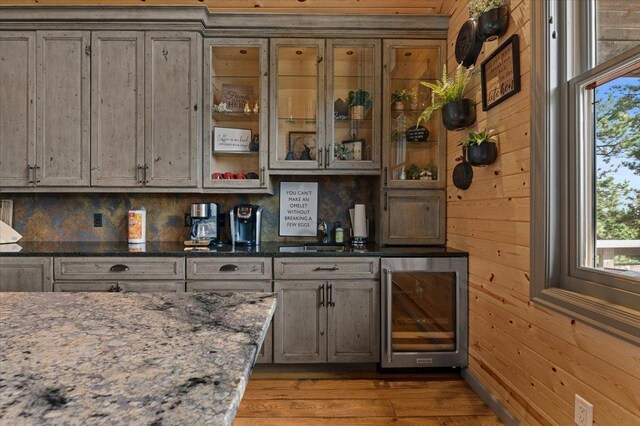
(413, 217)
(328, 313)
(312, 127)
(413, 159)
(117, 108)
(172, 108)
(33, 274)
(119, 286)
(44, 127)
(236, 94)
(17, 108)
(235, 274)
(119, 268)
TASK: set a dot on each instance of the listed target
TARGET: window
(586, 162)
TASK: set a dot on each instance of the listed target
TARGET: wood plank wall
(533, 359)
(428, 7)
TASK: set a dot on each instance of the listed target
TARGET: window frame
(558, 71)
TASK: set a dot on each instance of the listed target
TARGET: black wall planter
(459, 115)
(484, 154)
(493, 23)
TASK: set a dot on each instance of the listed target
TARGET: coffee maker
(245, 224)
(206, 221)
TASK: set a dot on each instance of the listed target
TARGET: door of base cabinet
(300, 322)
(265, 356)
(354, 318)
(413, 217)
(26, 274)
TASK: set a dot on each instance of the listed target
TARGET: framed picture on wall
(500, 73)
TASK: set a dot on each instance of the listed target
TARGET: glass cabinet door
(236, 110)
(297, 116)
(414, 156)
(353, 107)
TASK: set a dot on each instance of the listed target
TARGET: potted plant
(448, 94)
(359, 102)
(399, 98)
(492, 17)
(481, 148)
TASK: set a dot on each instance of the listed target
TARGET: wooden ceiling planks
(413, 7)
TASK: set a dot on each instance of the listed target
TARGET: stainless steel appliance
(424, 312)
(246, 224)
(206, 222)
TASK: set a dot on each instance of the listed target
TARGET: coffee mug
(252, 175)
(241, 175)
(216, 175)
(228, 175)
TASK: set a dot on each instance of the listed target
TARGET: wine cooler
(424, 312)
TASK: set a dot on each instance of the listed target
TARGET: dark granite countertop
(268, 249)
(118, 359)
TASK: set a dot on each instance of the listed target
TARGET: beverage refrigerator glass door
(424, 312)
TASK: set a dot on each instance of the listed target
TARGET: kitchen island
(105, 358)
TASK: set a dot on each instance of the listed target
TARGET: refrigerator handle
(389, 349)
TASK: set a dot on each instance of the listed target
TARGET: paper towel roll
(360, 221)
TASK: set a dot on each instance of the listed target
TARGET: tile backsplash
(69, 217)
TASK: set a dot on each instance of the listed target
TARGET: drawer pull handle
(229, 268)
(322, 268)
(119, 268)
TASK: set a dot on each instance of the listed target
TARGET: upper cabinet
(236, 114)
(17, 108)
(325, 104)
(414, 157)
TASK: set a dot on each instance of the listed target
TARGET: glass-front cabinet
(236, 110)
(414, 156)
(326, 110)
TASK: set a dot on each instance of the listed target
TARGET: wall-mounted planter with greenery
(448, 94)
(492, 17)
(481, 148)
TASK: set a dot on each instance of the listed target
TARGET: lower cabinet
(33, 274)
(119, 286)
(266, 351)
(326, 321)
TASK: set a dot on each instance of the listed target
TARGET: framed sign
(236, 96)
(500, 73)
(354, 149)
(298, 209)
(228, 139)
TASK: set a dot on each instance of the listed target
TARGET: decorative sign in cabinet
(236, 114)
(334, 319)
(327, 123)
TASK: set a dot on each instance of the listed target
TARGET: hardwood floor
(360, 398)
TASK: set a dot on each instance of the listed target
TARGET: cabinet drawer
(314, 268)
(251, 286)
(119, 268)
(119, 286)
(229, 268)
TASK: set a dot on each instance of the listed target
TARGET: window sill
(617, 320)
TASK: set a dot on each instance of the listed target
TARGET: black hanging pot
(463, 172)
(493, 23)
(484, 154)
(458, 115)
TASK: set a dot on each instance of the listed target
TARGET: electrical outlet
(97, 220)
(187, 220)
(583, 415)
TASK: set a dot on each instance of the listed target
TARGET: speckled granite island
(109, 358)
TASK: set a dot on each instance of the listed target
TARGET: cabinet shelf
(218, 153)
(235, 116)
(297, 120)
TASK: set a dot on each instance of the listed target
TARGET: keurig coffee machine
(245, 224)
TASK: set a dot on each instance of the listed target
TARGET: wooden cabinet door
(117, 108)
(172, 108)
(413, 216)
(265, 356)
(17, 107)
(33, 274)
(300, 322)
(63, 91)
(353, 333)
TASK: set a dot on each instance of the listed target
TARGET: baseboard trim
(487, 397)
